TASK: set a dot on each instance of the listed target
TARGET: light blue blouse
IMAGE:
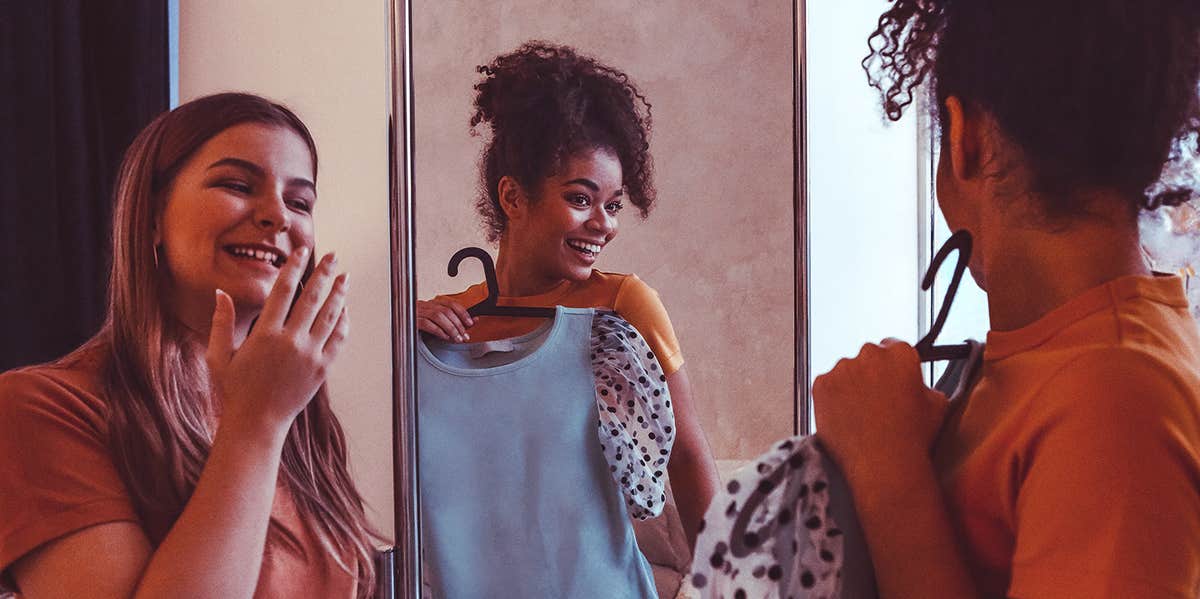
(519, 497)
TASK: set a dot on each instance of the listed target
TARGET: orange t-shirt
(1072, 469)
(627, 295)
(57, 477)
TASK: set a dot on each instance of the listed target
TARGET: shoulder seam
(1161, 365)
(625, 278)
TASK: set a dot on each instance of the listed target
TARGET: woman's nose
(602, 221)
(271, 214)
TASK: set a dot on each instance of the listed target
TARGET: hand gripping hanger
(488, 306)
(961, 241)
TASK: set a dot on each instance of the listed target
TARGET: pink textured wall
(719, 245)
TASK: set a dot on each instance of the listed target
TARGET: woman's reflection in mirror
(567, 152)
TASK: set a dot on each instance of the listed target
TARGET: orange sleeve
(56, 474)
(1108, 502)
(639, 304)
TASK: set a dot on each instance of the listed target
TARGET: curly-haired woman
(1072, 467)
(189, 448)
(568, 149)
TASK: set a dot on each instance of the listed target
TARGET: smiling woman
(189, 448)
(568, 146)
(233, 214)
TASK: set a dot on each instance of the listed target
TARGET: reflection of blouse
(629, 296)
(518, 498)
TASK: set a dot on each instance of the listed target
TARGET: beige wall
(325, 60)
(719, 246)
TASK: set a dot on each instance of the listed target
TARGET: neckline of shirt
(552, 330)
(1159, 288)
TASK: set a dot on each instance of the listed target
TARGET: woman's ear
(976, 144)
(512, 198)
(961, 148)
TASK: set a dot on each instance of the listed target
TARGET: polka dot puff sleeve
(768, 534)
(636, 425)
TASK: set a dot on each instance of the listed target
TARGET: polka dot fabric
(768, 533)
(635, 422)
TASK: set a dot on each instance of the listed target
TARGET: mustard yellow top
(626, 294)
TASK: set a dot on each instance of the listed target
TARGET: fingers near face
(337, 338)
(316, 290)
(326, 319)
(284, 289)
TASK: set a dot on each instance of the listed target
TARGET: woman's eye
(237, 186)
(301, 205)
(614, 207)
(579, 199)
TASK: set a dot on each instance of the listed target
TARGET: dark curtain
(78, 80)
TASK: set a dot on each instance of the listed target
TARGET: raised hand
(266, 381)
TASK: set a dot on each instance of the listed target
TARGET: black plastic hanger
(961, 241)
(488, 306)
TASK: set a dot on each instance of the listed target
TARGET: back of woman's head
(544, 103)
(1095, 93)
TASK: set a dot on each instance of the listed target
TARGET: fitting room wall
(719, 245)
(327, 61)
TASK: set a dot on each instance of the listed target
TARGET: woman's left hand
(875, 407)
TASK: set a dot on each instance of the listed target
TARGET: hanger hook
(961, 241)
(489, 270)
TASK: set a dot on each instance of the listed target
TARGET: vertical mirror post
(803, 400)
(406, 560)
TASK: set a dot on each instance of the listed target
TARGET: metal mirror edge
(406, 556)
(406, 573)
(803, 399)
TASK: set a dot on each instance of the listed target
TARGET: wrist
(252, 429)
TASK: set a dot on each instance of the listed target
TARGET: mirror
(720, 246)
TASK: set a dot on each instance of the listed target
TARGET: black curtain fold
(78, 80)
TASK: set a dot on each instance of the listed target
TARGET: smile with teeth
(583, 247)
(245, 252)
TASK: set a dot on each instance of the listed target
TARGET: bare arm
(692, 470)
(912, 543)
(215, 547)
(226, 516)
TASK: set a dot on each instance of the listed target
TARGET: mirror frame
(406, 564)
(404, 582)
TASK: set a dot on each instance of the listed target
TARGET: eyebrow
(258, 171)
(588, 183)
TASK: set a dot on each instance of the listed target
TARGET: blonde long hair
(157, 383)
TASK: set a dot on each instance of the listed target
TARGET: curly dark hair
(1096, 93)
(544, 103)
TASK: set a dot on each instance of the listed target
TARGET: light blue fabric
(516, 496)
